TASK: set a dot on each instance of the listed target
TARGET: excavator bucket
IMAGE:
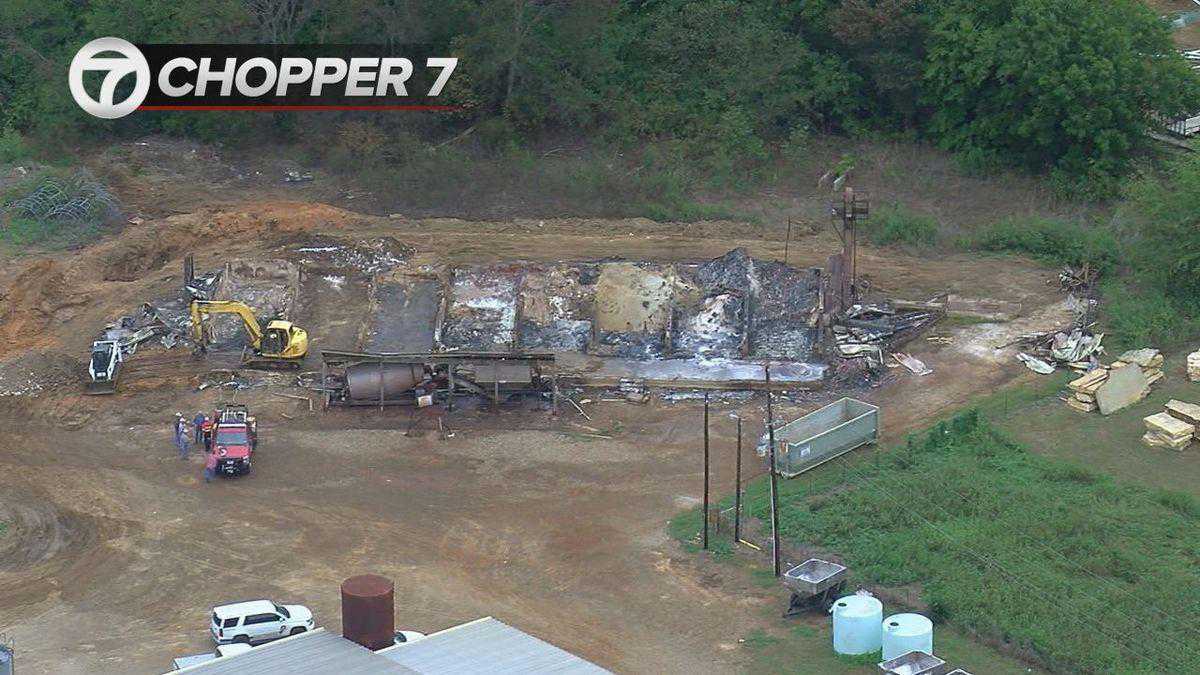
(100, 388)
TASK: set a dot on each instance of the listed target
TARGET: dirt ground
(115, 550)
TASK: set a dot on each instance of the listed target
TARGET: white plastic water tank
(904, 633)
(856, 620)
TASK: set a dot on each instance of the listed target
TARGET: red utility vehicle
(234, 439)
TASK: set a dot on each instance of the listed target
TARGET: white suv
(258, 621)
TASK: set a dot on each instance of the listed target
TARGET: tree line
(1067, 87)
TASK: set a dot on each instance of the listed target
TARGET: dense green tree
(1068, 84)
(724, 75)
(1164, 214)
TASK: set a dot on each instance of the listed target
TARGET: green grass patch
(896, 224)
(22, 233)
(1137, 315)
(1062, 562)
(1111, 444)
(1056, 242)
(758, 638)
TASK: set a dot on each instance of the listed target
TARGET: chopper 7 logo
(258, 77)
(131, 61)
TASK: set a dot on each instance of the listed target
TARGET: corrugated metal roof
(315, 653)
(486, 646)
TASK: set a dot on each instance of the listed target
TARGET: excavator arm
(202, 308)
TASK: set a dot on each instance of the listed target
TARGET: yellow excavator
(281, 344)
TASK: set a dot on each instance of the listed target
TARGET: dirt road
(115, 550)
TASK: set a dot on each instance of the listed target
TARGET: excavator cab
(282, 339)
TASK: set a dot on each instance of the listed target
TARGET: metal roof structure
(316, 652)
(486, 646)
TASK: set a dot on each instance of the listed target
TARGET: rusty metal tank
(368, 611)
(363, 380)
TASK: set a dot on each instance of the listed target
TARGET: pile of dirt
(33, 373)
(148, 246)
(35, 299)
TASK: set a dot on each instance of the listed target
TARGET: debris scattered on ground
(1075, 347)
(556, 307)
(204, 287)
(1081, 279)
(33, 373)
(296, 177)
(366, 256)
(914, 365)
(482, 313)
(269, 287)
(1078, 349)
(633, 391)
(1193, 366)
(1035, 364)
(867, 330)
(1166, 431)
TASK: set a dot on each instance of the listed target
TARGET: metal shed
(316, 652)
(486, 646)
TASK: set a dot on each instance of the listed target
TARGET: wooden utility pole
(737, 488)
(706, 470)
(774, 487)
(788, 241)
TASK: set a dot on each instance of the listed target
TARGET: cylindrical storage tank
(904, 633)
(368, 611)
(363, 380)
(856, 620)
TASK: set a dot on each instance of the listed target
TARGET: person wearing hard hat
(181, 435)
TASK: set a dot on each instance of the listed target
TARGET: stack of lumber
(1165, 431)
(1149, 360)
(1083, 390)
(1193, 366)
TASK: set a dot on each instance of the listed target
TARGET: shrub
(1135, 315)
(12, 146)
(896, 224)
(1056, 242)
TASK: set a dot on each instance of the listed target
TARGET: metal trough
(825, 434)
(914, 663)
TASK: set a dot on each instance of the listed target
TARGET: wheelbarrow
(815, 585)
